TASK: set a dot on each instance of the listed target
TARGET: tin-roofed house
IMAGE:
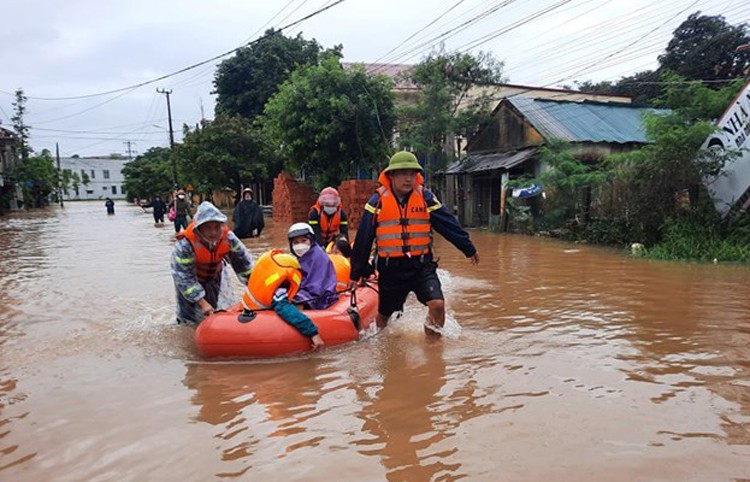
(508, 147)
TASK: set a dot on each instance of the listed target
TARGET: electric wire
(190, 67)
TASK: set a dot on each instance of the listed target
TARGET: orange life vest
(272, 269)
(343, 268)
(207, 261)
(402, 231)
(330, 226)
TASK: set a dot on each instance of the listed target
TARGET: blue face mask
(329, 209)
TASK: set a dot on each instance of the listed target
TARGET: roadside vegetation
(656, 197)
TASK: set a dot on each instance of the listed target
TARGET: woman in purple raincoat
(318, 287)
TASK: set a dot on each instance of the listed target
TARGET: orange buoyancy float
(343, 268)
(224, 335)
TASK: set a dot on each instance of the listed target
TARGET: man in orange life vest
(327, 218)
(198, 263)
(399, 218)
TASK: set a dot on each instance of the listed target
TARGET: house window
(89, 191)
(93, 176)
(83, 173)
(104, 188)
(114, 189)
(105, 173)
(122, 189)
(67, 172)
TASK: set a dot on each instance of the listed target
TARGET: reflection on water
(401, 419)
(572, 363)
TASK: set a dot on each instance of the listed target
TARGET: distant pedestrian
(248, 216)
(182, 211)
(159, 206)
(110, 204)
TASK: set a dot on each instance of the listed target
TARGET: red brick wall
(354, 194)
(291, 199)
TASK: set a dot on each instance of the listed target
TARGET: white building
(104, 175)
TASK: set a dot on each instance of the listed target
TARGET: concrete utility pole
(130, 149)
(59, 175)
(171, 133)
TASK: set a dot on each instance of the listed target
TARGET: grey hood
(208, 212)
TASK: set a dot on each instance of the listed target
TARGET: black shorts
(400, 276)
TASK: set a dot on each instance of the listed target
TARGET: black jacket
(247, 216)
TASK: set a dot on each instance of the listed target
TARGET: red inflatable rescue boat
(226, 334)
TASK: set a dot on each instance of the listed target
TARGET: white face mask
(300, 249)
(329, 209)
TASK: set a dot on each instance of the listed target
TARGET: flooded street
(570, 363)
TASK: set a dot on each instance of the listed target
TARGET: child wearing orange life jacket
(273, 284)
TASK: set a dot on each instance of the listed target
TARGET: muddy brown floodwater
(562, 362)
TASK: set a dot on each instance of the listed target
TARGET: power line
(603, 35)
(513, 26)
(95, 106)
(191, 81)
(420, 30)
(593, 64)
(190, 67)
(484, 15)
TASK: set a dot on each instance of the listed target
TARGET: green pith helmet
(403, 160)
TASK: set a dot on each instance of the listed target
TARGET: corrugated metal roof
(584, 121)
(490, 162)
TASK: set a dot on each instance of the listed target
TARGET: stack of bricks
(354, 194)
(291, 199)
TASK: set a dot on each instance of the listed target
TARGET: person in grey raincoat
(198, 264)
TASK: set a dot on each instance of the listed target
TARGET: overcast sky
(55, 49)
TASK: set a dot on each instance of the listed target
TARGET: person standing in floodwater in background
(110, 204)
(159, 206)
(182, 208)
(247, 218)
(327, 218)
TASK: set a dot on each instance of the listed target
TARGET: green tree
(643, 87)
(703, 48)
(19, 124)
(75, 183)
(148, 174)
(330, 122)
(244, 83)
(66, 177)
(225, 152)
(444, 107)
(37, 176)
(646, 182)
